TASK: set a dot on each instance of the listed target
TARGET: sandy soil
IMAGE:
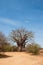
(21, 58)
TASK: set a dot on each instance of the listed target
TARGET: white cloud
(9, 21)
(27, 20)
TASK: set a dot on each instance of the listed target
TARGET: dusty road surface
(21, 58)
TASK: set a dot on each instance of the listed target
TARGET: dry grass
(21, 58)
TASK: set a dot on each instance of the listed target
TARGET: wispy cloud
(27, 20)
(9, 22)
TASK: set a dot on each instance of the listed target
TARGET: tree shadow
(4, 56)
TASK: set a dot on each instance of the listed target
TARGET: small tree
(2, 41)
(21, 36)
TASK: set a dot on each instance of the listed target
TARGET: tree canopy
(21, 36)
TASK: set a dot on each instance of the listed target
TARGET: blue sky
(22, 13)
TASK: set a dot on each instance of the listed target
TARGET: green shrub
(33, 48)
(14, 48)
(6, 48)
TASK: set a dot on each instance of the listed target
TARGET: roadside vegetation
(21, 37)
(33, 48)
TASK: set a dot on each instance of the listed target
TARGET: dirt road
(21, 58)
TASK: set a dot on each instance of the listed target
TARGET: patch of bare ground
(21, 58)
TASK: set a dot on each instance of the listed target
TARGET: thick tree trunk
(19, 48)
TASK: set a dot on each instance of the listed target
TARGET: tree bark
(20, 48)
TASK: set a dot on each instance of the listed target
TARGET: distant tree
(21, 36)
(3, 41)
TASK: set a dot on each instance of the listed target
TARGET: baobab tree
(21, 36)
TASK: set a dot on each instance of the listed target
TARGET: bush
(6, 48)
(14, 48)
(33, 48)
